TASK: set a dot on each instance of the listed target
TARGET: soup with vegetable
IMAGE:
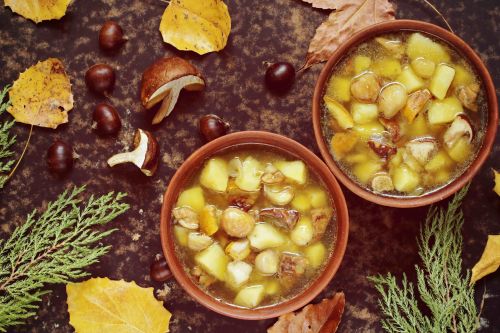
(404, 114)
(254, 227)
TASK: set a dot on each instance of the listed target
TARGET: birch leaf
(323, 4)
(194, 25)
(490, 260)
(103, 305)
(497, 182)
(349, 17)
(41, 96)
(39, 10)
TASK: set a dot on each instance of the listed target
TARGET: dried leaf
(41, 96)
(103, 305)
(39, 10)
(194, 25)
(323, 317)
(490, 260)
(350, 17)
(497, 182)
(323, 4)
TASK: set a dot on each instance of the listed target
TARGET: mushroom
(267, 262)
(186, 217)
(242, 199)
(395, 47)
(198, 241)
(422, 148)
(392, 98)
(144, 156)
(320, 219)
(164, 80)
(416, 103)
(281, 217)
(272, 175)
(381, 146)
(382, 183)
(279, 195)
(291, 265)
(392, 127)
(468, 95)
(365, 87)
(461, 126)
(236, 222)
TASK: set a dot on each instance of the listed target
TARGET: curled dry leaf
(104, 305)
(39, 10)
(41, 96)
(323, 4)
(490, 260)
(194, 25)
(350, 17)
(323, 317)
(497, 182)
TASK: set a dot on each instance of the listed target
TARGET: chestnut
(111, 36)
(100, 78)
(60, 157)
(212, 126)
(159, 271)
(280, 77)
(107, 119)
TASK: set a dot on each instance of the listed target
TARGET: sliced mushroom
(144, 156)
(236, 222)
(320, 219)
(203, 278)
(164, 80)
(392, 99)
(382, 183)
(239, 198)
(272, 175)
(267, 262)
(291, 265)
(460, 127)
(365, 87)
(395, 47)
(279, 195)
(382, 147)
(416, 103)
(392, 127)
(422, 149)
(186, 217)
(281, 217)
(468, 95)
(198, 241)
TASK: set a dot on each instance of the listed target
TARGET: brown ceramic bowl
(491, 124)
(287, 147)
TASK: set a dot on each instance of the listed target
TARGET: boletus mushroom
(144, 156)
(461, 126)
(163, 82)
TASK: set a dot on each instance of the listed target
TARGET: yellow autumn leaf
(194, 25)
(103, 305)
(490, 260)
(41, 96)
(497, 182)
(39, 10)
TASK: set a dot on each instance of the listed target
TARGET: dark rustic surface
(381, 239)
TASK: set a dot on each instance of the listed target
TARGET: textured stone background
(381, 239)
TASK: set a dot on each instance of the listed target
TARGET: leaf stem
(440, 15)
(22, 154)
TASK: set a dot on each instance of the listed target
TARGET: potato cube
(273, 287)
(342, 143)
(445, 111)
(461, 150)
(250, 297)
(316, 254)
(423, 67)
(418, 127)
(339, 113)
(361, 63)
(181, 235)
(365, 131)
(238, 250)
(355, 158)
(288, 246)
(396, 159)
(317, 196)
(193, 198)
(208, 220)
(301, 202)
(213, 260)
(462, 77)
(442, 176)
(250, 175)
(440, 161)
(303, 231)
(441, 80)
(410, 80)
(405, 179)
(339, 88)
(214, 175)
(293, 170)
(265, 236)
(365, 171)
(364, 113)
(238, 273)
(387, 67)
(419, 46)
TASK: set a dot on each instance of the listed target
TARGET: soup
(253, 227)
(404, 114)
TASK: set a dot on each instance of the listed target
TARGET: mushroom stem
(167, 105)
(126, 157)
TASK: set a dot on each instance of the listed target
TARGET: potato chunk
(361, 63)
(387, 67)
(366, 170)
(265, 236)
(213, 260)
(214, 175)
(316, 254)
(181, 235)
(317, 197)
(405, 179)
(192, 198)
(342, 143)
(301, 202)
(441, 81)
(293, 170)
(461, 150)
(303, 231)
(423, 67)
(238, 273)
(250, 297)
(238, 250)
(410, 80)
(364, 113)
(339, 113)
(419, 46)
(364, 132)
(339, 88)
(445, 111)
(440, 161)
(249, 178)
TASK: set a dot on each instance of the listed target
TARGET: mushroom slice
(186, 217)
(381, 146)
(365, 87)
(272, 175)
(281, 217)
(459, 127)
(468, 95)
(395, 47)
(382, 183)
(416, 103)
(144, 156)
(198, 241)
(239, 198)
(164, 80)
(422, 149)
(320, 219)
(392, 127)
(292, 265)
(279, 195)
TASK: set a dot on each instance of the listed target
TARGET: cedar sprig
(441, 285)
(6, 140)
(52, 247)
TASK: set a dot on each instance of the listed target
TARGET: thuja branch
(6, 140)
(52, 247)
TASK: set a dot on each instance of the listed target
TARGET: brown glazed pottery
(491, 124)
(261, 140)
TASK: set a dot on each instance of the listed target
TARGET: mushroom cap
(163, 71)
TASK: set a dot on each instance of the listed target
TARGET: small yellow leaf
(39, 10)
(103, 305)
(194, 25)
(497, 182)
(41, 96)
(490, 260)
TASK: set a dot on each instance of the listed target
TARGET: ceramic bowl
(287, 147)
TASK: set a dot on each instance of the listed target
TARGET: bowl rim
(282, 144)
(490, 130)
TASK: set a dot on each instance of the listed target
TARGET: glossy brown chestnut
(111, 36)
(212, 126)
(60, 157)
(107, 119)
(100, 78)
(159, 270)
(280, 76)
